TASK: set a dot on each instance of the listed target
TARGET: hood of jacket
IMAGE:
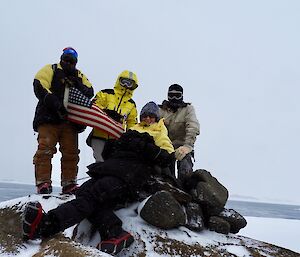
(119, 90)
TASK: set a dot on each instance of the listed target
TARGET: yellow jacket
(118, 100)
(51, 79)
(159, 133)
(45, 77)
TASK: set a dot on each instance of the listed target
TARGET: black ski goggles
(175, 95)
(128, 83)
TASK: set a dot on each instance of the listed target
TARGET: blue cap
(70, 51)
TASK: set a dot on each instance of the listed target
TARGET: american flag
(81, 110)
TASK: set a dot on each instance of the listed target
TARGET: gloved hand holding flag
(81, 110)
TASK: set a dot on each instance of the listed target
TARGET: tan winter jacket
(182, 125)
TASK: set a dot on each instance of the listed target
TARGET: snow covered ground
(278, 231)
(281, 232)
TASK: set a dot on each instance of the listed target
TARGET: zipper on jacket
(120, 101)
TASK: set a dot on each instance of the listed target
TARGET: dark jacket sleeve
(39, 91)
(157, 155)
(50, 100)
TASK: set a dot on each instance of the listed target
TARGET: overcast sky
(238, 62)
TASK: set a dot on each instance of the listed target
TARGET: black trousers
(95, 200)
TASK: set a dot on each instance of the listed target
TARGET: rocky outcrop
(149, 241)
(202, 203)
(208, 192)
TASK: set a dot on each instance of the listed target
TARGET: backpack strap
(54, 67)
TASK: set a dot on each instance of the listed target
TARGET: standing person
(118, 104)
(51, 124)
(183, 127)
(113, 181)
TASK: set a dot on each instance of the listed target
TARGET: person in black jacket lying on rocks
(112, 182)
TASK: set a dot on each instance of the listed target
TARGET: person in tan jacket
(183, 129)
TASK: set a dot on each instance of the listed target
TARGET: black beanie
(176, 87)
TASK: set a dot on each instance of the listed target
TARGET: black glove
(73, 81)
(52, 102)
(56, 105)
(114, 115)
(62, 113)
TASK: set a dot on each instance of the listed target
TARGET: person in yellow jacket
(118, 104)
(50, 121)
(154, 126)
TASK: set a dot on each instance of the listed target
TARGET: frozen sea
(10, 191)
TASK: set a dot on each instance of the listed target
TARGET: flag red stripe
(95, 111)
(79, 111)
(99, 119)
(94, 122)
(82, 115)
(94, 125)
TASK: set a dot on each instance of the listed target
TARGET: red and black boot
(38, 224)
(116, 244)
(31, 221)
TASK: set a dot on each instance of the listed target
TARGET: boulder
(236, 220)
(218, 225)
(163, 211)
(194, 217)
(209, 193)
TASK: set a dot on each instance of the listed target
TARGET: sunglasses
(147, 114)
(175, 95)
(128, 83)
(69, 59)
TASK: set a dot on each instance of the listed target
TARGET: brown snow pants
(48, 136)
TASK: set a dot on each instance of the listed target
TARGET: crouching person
(112, 182)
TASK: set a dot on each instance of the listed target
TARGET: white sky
(238, 62)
